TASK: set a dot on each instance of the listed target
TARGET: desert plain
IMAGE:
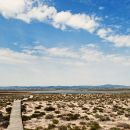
(69, 111)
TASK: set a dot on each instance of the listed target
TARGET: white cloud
(119, 40)
(40, 65)
(11, 8)
(109, 35)
(40, 13)
(104, 32)
(27, 11)
(77, 21)
(84, 55)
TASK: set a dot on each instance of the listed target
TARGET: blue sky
(64, 42)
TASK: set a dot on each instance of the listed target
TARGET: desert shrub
(39, 128)
(127, 114)
(51, 126)
(102, 117)
(5, 124)
(124, 125)
(120, 112)
(50, 108)
(62, 127)
(55, 121)
(91, 103)
(8, 109)
(23, 108)
(85, 117)
(48, 104)
(37, 114)
(83, 128)
(60, 116)
(116, 108)
(25, 118)
(27, 129)
(40, 113)
(94, 125)
(76, 128)
(128, 110)
(84, 108)
(4, 120)
(8, 103)
(6, 117)
(38, 107)
(57, 112)
(115, 128)
(71, 116)
(95, 109)
(49, 116)
(82, 123)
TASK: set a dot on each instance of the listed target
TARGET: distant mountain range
(38, 88)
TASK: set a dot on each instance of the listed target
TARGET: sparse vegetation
(78, 111)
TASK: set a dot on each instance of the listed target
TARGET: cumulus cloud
(28, 10)
(77, 21)
(11, 8)
(40, 13)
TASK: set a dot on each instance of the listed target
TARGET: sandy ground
(77, 112)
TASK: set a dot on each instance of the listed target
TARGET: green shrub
(55, 121)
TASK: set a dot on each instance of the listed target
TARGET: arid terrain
(77, 112)
(69, 111)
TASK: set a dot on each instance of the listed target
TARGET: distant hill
(28, 88)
